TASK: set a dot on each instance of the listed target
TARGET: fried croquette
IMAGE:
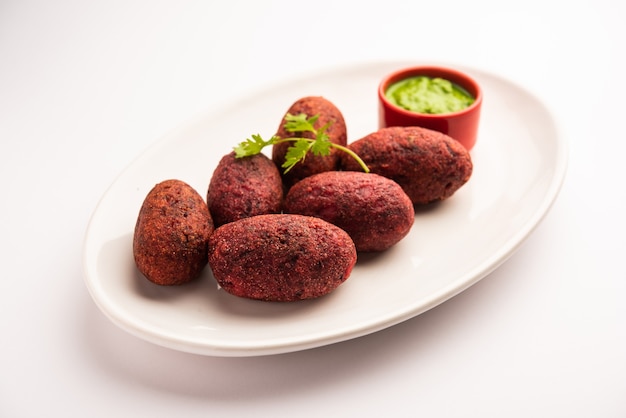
(372, 209)
(171, 234)
(280, 257)
(312, 164)
(244, 187)
(428, 165)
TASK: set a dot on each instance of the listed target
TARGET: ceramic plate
(519, 165)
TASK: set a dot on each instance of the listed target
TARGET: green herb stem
(353, 155)
(332, 144)
(296, 153)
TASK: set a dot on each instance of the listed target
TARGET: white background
(85, 87)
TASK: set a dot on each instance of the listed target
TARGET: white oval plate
(519, 165)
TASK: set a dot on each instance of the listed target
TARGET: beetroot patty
(280, 257)
(429, 165)
(312, 164)
(171, 234)
(372, 209)
(244, 187)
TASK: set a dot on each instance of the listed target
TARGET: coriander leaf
(300, 123)
(252, 146)
(296, 153)
(321, 145)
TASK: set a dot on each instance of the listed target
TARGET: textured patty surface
(280, 257)
(372, 209)
(337, 133)
(244, 187)
(429, 165)
(171, 234)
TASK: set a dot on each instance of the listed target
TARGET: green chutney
(432, 95)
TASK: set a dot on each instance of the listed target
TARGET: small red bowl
(461, 125)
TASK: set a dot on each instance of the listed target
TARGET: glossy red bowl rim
(458, 77)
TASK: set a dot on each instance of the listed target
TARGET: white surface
(519, 162)
(85, 87)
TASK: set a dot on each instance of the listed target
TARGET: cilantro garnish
(297, 152)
